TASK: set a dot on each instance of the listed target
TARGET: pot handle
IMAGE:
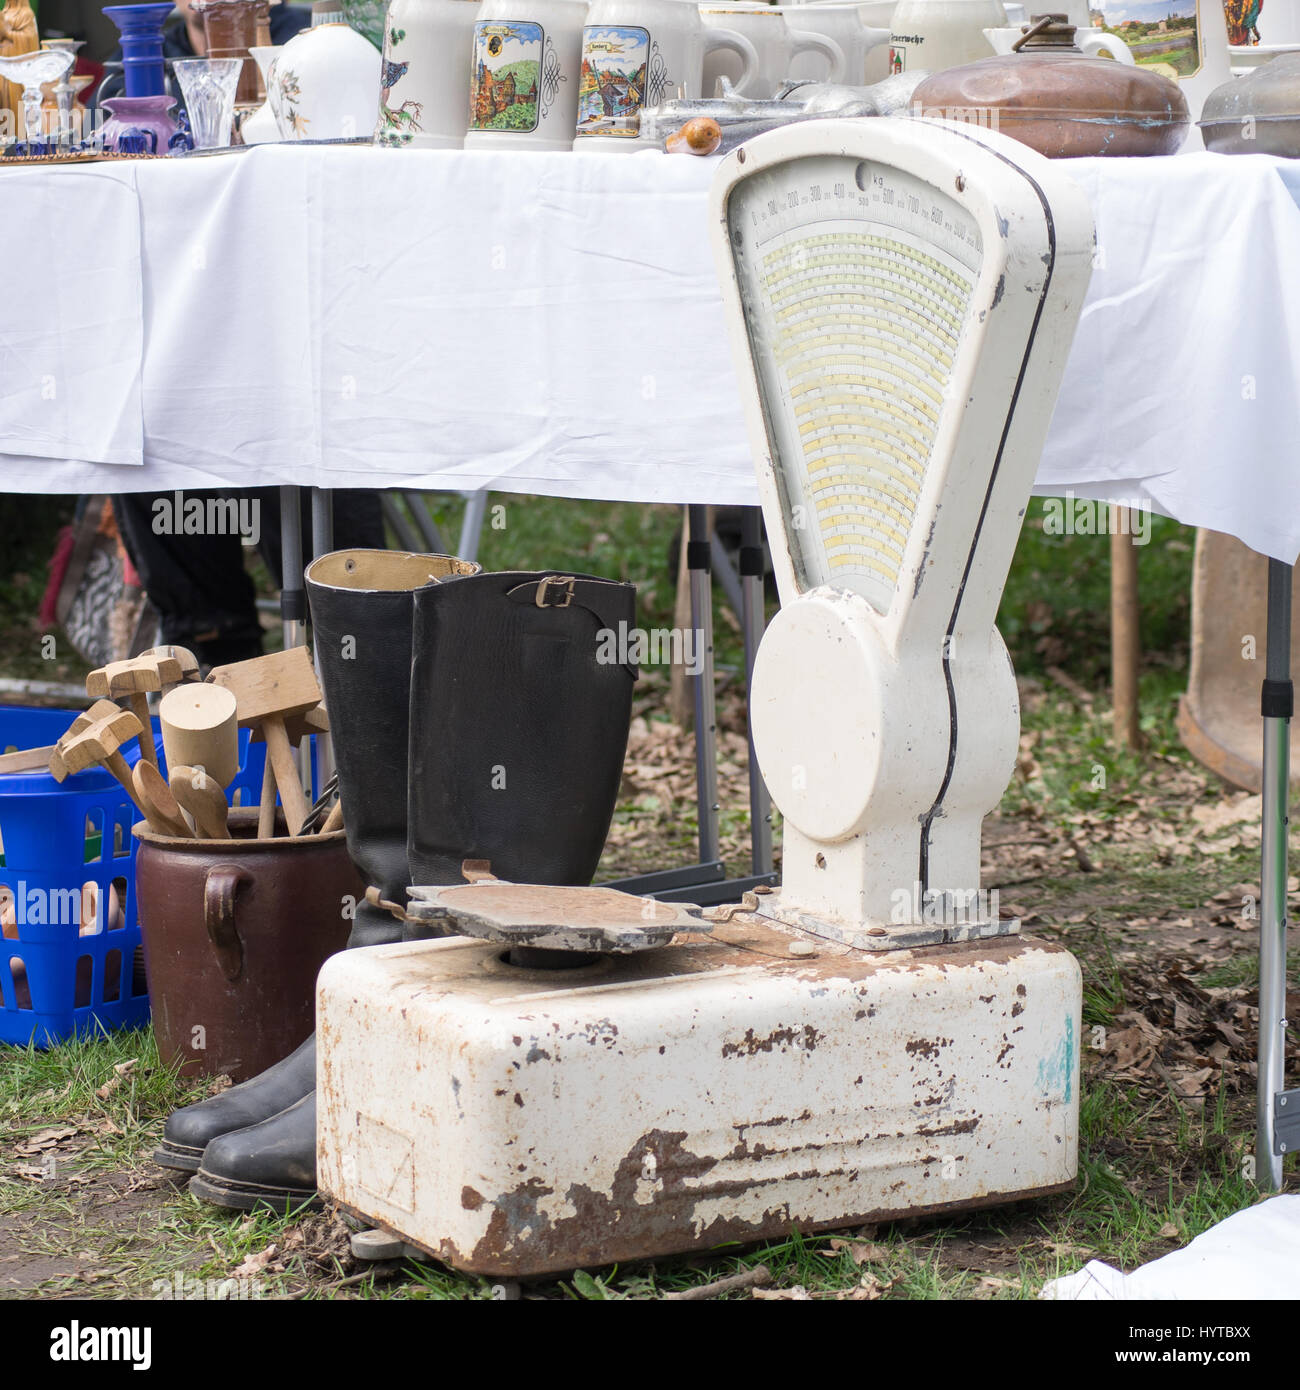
(221, 886)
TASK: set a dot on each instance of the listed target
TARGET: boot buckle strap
(563, 584)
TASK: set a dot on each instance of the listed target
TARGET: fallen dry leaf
(860, 1252)
(255, 1263)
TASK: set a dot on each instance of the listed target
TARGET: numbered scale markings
(856, 280)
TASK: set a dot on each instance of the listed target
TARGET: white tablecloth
(551, 324)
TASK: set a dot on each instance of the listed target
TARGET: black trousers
(205, 598)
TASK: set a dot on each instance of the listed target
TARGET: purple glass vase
(149, 115)
(142, 56)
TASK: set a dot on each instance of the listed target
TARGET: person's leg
(205, 599)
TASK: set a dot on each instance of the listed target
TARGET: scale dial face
(855, 280)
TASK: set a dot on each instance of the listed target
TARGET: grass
(1154, 1170)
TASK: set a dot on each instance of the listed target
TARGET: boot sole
(249, 1196)
(185, 1158)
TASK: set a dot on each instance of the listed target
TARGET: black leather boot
(518, 725)
(361, 604)
(520, 710)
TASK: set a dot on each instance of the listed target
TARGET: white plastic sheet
(1254, 1254)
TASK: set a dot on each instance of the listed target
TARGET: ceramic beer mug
(845, 25)
(930, 35)
(424, 97)
(523, 86)
(875, 14)
(777, 42)
(640, 52)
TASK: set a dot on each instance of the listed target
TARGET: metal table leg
(293, 597)
(322, 542)
(1276, 706)
(471, 525)
(752, 624)
(706, 715)
(706, 882)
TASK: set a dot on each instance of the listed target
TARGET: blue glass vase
(142, 56)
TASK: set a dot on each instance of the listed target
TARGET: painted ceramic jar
(326, 84)
(640, 52)
(1187, 41)
(524, 74)
(424, 91)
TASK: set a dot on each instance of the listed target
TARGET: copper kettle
(1048, 95)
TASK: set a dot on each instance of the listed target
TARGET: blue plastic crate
(64, 978)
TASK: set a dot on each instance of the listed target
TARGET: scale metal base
(516, 1122)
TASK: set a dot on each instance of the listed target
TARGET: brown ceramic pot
(1051, 97)
(235, 932)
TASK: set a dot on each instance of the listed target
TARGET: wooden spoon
(203, 798)
(157, 802)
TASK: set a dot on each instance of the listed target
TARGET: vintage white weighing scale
(578, 1076)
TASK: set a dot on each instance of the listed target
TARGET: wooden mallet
(34, 759)
(101, 709)
(136, 679)
(188, 662)
(268, 690)
(314, 721)
(200, 728)
(98, 745)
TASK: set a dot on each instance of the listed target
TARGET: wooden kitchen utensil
(27, 759)
(203, 798)
(87, 719)
(200, 728)
(189, 663)
(157, 802)
(313, 721)
(135, 679)
(100, 744)
(269, 690)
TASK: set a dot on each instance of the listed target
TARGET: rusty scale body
(571, 1077)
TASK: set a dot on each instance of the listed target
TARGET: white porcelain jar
(428, 53)
(260, 127)
(526, 67)
(326, 84)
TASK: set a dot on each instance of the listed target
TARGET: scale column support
(752, 624)
(706, 716)
(1277, 702)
